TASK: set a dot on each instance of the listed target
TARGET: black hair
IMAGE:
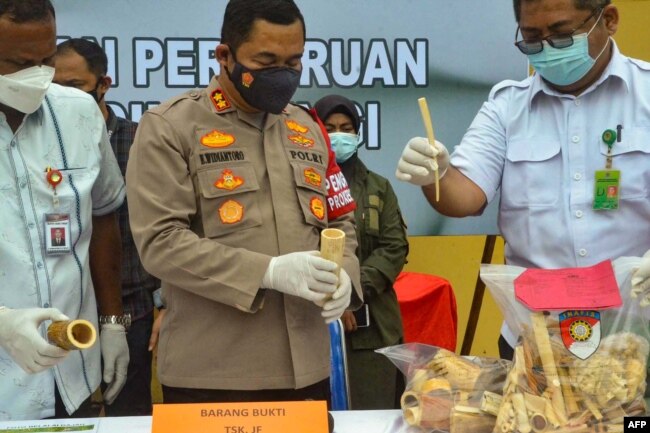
(91, 52)
(24, 11)
(241, 14)
(579, 4)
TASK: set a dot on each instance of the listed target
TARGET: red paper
(592, 288)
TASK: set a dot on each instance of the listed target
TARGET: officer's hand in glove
(20, 337)
(419, 161)
(304, 274)
(115, 354)
(641, 281)
(336, 305)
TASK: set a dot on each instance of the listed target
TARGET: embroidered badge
(216, 138)
(580, 331)
(228, 181)
(301, 140)
(231, 212)
(296, 127)
(317, 207)
(312, 177)
(219, 100)
(247, 79)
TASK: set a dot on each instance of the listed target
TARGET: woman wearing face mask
(381, 233)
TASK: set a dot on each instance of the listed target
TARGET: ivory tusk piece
(428, 125)
(72, 334)
(332, 245)
(428, 411)
(548, 364)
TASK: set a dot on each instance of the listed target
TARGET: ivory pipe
(332, 245)
(72, 334)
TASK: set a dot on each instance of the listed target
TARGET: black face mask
(94, 93)
(268, 89)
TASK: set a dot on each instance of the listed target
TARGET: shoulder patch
(505, 84)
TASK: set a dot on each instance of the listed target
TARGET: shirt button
(23, 184)
(46, 305)
(579, 214)
(39, 265)
(31, 225)
(575, 139)
(577, 176)
(577, 102)
(582, 252)
(13, 143)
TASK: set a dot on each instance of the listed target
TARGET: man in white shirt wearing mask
(568, 147)
(57, 171)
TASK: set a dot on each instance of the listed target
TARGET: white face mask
(24, 90)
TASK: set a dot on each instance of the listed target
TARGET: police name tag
(606, 191)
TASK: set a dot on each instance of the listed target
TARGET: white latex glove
(420, 160)
(115, 354)
(641, 281)
(335, 306)
(20, 337)
(304, 274)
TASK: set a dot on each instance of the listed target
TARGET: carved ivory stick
(548, 364)
(426, 118)
(332, 244)
(72, 334)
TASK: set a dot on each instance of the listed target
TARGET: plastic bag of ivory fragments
(447, 392)
(573, 371)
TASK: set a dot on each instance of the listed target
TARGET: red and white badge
(580, 331)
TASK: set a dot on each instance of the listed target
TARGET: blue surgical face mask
(565, 66)
(344, 145)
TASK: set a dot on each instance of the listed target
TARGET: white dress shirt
(542, 149)
(29, 277)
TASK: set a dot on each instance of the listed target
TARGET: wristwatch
(124, 320)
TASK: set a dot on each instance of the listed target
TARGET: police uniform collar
(615, 69)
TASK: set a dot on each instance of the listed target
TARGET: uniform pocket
(310, 188)
(229, 199)
(532, 175)
(372, 211)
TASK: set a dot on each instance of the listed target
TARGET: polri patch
(216, 138)
(228, 181)
(301, 140)
(312, 177)
(317, 207)
(296, 127)
(231, 211)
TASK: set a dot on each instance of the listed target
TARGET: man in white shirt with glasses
(568, 147)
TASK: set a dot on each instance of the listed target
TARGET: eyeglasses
(563, 40)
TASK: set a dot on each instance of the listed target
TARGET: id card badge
(57, 233)
(606, 191)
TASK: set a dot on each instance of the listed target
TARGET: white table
(365, 421)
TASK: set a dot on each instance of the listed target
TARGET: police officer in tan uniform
(229, 188)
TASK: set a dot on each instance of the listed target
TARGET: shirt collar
(615, 69)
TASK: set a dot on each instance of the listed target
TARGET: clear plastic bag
(549, 387)
(447, 392)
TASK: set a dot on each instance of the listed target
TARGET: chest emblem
(317, 207)
(228, 181)
(231, 211)
(219, 100)
(301, 140)
(312, 177)
(217, 139)
(296, 127)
